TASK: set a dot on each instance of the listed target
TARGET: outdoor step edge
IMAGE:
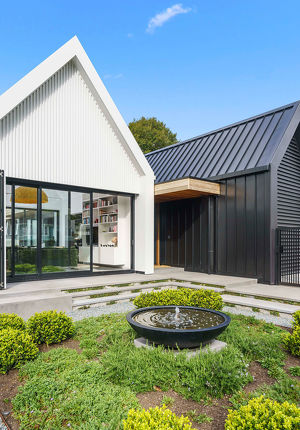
(104, 299)
(268, 296)
(261, 304)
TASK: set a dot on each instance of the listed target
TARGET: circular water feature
(178, 326)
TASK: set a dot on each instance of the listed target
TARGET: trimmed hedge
(264, 414)
(50, 255)
(16, 347)
(12, 321)
(291, 341)
(156, 419)
(50, 327)
(180, 297)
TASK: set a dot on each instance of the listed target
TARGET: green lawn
(95, 389)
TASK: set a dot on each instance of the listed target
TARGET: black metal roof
(248, 144)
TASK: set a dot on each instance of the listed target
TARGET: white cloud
(161, 18)
(109, 76)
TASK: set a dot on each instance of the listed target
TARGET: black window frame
(13, 277)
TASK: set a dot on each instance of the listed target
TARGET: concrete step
(241, 283)
(284, 308)
(102, 300)
(269, 291)
(117, 290)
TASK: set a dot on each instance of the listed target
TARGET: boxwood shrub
(50, 327)
(16, 347)
(180, 297)
(12, 321)
(291, 341)
(155, 419)
(261, 413)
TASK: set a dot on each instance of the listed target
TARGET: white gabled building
(78, 189)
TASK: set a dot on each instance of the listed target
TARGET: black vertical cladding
(243, 227)
(185, 244)
(288, 187)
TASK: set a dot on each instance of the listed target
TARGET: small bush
(50, 327)
(291, 342)
(51, 269)
(262, 413)
(25, 268)
(156, 419)
(12, 321)
(16, 347)
(180, 297)
(296, 319)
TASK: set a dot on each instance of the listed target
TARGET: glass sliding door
(54, 231)
(25, 230)
(80, 231)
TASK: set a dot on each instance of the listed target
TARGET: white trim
(74, 50)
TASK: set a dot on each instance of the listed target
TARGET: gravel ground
(284, 322)
(117, 308)
(128, 306)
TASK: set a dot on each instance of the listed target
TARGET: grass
(167, 400)
(95, 389)
(199, 418)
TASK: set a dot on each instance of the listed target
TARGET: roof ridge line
(183, 142)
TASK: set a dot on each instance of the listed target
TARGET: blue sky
(196, 65)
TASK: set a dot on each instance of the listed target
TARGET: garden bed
(92, 380)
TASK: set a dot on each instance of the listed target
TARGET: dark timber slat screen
(2, 251)
(288, 248)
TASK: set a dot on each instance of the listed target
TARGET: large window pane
(25, 230)
(55, 251)
(111, 232)
(8, 218)
(80, 231)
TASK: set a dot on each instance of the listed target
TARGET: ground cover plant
(291, 341)
(95, 388)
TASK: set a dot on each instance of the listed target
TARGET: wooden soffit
(186, 188)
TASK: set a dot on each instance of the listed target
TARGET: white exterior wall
(59, 134)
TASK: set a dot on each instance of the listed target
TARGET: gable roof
(73, 50)
(252, 144)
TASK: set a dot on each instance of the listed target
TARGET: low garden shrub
(296, 319)
(12, 321)
(16, 347)
(264, 414)
(180, 297)
(291, 341)
(50, 327)
(25, 268)
(156, 419)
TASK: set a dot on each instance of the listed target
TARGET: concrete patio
(25, 298)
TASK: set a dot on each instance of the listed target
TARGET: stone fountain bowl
(177, 337)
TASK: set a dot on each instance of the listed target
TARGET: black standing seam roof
(248, 144)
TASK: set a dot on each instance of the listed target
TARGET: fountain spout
(177, 316)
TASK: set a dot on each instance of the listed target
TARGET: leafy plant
(16, 347)
(291, 341)
(12, 321)
(62, 389)
(295, 371)
(156, 419)
(167, 400)
(296, 319)
(50, 269)
(180, 297)
(25, 268)
(199, 418)
(50, 327)
(263, 413)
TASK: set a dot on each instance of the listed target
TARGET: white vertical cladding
(144, 227)
(59, 134)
